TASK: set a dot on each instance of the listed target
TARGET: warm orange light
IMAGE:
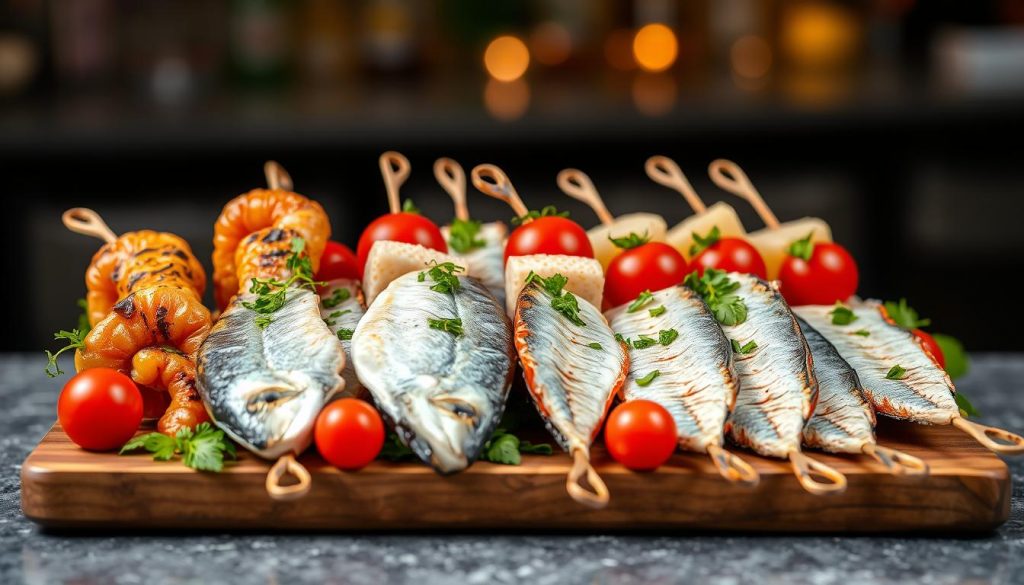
(751, 57)
(506, 101)
(506, 58)
(551, 43)
(654, 94)
(618, 49)
(655, 47)
(820, 35)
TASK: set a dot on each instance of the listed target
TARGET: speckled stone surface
(29, 555)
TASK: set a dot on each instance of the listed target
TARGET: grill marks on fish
(344, 315)
(444, 393)
(923, 395)
(265, 387)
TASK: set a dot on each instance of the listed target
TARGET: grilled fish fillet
(342, 305)
(445, 393)
(778, 390)
(924, 394)
(487, 263)
(697, 384)
(265, 387)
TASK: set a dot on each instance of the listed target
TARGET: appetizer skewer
(158, 322)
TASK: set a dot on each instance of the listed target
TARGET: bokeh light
(506, 58)
(654, 94)
(655, 47)
(751, 57)
(618, 49)
(551, 43)
(506, 100)
(819, 35)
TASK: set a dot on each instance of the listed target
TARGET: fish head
(274, 418)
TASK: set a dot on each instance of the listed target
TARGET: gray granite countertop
(30, 555)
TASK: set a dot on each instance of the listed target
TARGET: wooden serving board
(968, 491)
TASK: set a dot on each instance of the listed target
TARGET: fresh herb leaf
(338, 296)
(503, 449)
(345, 334)
(453, 326)
(547, 211)
(702, 243)
(568, 307)
(896, 372)
(83, 317)
(529, 448)
(719, 292)
(552, 284)
(621, 339)
(263, 321)
(965, 406)
(633, 240)
(656, 311)
(842, 315)
(904, 315)
(643, 342)
(394, 449)
(421, 277)
(444, 275)
(667, 336)
(204, 448)
(462, 235)
(409, 207)
(332, 318)
(802, 248)
(595, 345)
(957, 362)
(75, 340)
(160, 445)
(639, 302)
(745, 348)
(862, 333)
(646, 380)
(268, 300)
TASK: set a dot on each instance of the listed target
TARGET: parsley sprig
(547, 211)
(271, 293)
(203, 449)
(453, 326)
(444, 276)
(896, 372)
(842, 315)
(75, 340)
(701, 243)
(745, 348)
(639, 302)
(719, 292)
(633, 240)
(562, 300)
(463, 235)
(904, 315)
(338, 296)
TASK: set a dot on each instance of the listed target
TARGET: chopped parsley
(641, 300)
(345, 334)
(842, 315)
(595, 345)
(745, 348)
(338, 296)
(719, 292)
(656, 311)
(904, 315)
(203, 449)
(561, 300)
(667, 336)
(643, 342)
(453, 325)
(862, 333)
(896, 372)
(271, 293)
(444, 276)
(463, 235)
(646, 380)
(75, 340)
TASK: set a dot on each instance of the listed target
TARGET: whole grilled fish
(573, 372)
(488, 262)
(444, 390)
(844, 421)
(697, 383)
(342, 305)
(265, 386)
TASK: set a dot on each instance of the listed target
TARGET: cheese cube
(720, 214)
(773, 244)
(639, 223)
(586, 279)
(388, 260)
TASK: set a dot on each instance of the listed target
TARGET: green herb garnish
(965, 406)
(547, 211)
(646, 380)
(904, 315)
(862, 333)
(505, 448)
(203, 449)
(453, 326)
(271, 293)
(462, 235)
(802, 248)
(75, 340)
(409, 207)
(338, 296)
(667, 336)
(345, 334)
(896, 372)
(639, 302)
(332, 318)
(745, 348)
(595, 345)
(394, 449)
(643, 342)
(842, 315)
(444, 275)
(263, 321)
(656, 311)
(702, 243)
(957, 362)
(562, 301)
(719, 292)
(633, 240)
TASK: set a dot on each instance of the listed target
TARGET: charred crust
(126, 307)
(162, 324)
(274, 235)
(135, 278)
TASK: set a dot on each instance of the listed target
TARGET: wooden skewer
(666, 172)
(395, 169)
(897, 462)
(806, 468)
(453, 179)
(490, 180)
(286, 464)
(277, 177)
(597, 496)
(729, 176)
(732, 468)
(576, 184)
(82, 220)
(1013, 443)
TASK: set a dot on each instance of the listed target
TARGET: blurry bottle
(260, 42)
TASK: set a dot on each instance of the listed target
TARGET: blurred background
(897, 121)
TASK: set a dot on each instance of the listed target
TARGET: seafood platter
(531, 375)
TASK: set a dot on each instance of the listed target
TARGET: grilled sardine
(488, 262)
(342, 306)
(444, 390)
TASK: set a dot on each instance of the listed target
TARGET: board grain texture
(968, 491)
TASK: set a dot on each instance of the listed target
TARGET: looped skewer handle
(730, 177)
(806, 468)
(733, 468)
(897, 462)
(490, 180)
(597, 496)
(394, 167)
(287, 464)
(277, 177)
(576, 184)
(665, 172)
(453, 180)
(85, 221)
(1012, 444)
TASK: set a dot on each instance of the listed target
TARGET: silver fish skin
(923, 395)
(843, 421)
(778, 390)
(444, 393)
(265, 387)
(698, 383)
(572, 384)
(487, 264)
(342, 311)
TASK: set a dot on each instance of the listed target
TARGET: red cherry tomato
(933, 348)
(730, 255)
(640, 434)
(549, 235)
(654, 266)
(349, 433)
(411, 228)
(830, 275)
(100, 409)
(338, 261)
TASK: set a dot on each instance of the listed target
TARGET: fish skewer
(487, 262)
(697, 383)
(844, 420)
(778, 390)
(901, 379)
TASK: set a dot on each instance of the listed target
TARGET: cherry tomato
(730, 255)
(338, 261)
(933, 348)
(349, 433)
(829, 275)
(640, 434)
(100, 409)
(411, 228)
(549, 235)
(654, 266)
